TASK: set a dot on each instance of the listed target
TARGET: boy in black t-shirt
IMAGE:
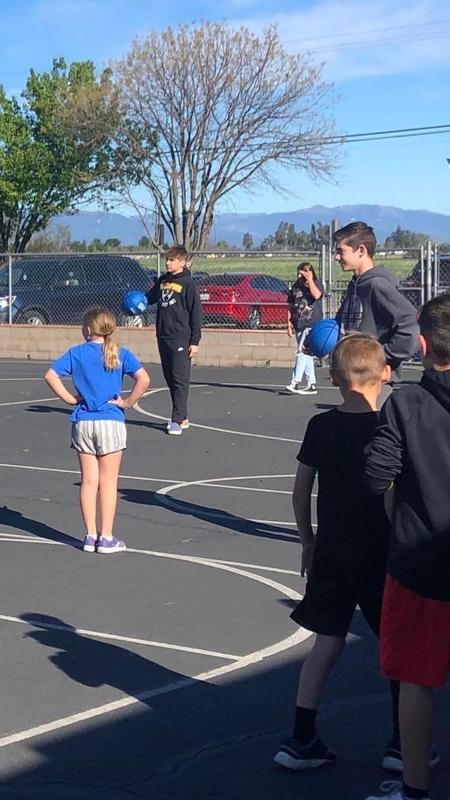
(345, 561)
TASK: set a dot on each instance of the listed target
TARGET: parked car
(59, 289)
(246, 299)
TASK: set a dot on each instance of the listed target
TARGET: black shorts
(335, 587)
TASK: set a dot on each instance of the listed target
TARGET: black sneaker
(392, 759)
(312, 389)
(294, 755)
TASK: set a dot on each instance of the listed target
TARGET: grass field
(283, 267)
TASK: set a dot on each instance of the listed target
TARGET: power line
(370, 31)
(374, 42)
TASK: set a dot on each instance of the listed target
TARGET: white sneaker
(312, 389)
(293, 387)
(392, 790)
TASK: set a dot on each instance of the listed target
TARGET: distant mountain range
(90, 225)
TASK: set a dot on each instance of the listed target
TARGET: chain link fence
(237, 289)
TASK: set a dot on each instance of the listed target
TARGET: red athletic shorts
(415, 637)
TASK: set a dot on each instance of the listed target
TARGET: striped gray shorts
(98, 437)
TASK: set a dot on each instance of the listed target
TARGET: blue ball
(323, 337)
(134, 302)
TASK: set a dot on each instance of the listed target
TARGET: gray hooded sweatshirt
(372, 304)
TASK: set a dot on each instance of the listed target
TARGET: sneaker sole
(301, 391)
(288, 762)
(103, 551)
(88, 548)
(174, 433)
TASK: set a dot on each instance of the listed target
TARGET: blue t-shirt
(91, 379)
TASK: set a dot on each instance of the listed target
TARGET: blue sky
(389, 62)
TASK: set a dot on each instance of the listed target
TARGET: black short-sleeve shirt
(348, 515)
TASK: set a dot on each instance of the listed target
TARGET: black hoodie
(372, 304)
(411, 446)
(179, 310)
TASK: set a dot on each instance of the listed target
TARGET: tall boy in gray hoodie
(372, 303)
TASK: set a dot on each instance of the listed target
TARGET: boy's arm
(57, 386)
(400, 316)
(194, 308)
(153, 293)
(301, 500)
(384, 454)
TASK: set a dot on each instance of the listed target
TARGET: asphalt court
(168, 671)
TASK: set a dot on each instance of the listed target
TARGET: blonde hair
(102, 322)
(357, 359)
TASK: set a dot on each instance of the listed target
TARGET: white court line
(260, 567)
(256, 656)
(117, 638)
(22, 379)
(29, 402)
(245, 488)
(141, 410)
(30, 539)
(77, 472)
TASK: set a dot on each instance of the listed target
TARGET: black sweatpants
(176, 367)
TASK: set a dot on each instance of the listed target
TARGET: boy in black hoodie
(410, 451)
(178, 331)
(372, 303)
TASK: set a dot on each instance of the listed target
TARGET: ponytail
(110, 352)
(101, 322)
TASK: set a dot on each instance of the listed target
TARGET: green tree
(55, 239)
(96, 246)
(112, 243)
(56, 148)
(402, 239)
(144, 242)
(247, 241)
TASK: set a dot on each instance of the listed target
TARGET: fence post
(9, 290)
(429, 272)
(436, 270)
(323, 266)
(158, 264)
(422, 275)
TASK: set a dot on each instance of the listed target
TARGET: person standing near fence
(372, 303)
(178, 331)
(304, 309)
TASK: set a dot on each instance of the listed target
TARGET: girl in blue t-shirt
(99, 436)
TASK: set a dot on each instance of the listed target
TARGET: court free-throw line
(252, 658)
(118, 638)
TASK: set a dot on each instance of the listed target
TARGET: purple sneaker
(89, 544)
(110, 545)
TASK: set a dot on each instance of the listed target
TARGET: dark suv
(57, 290)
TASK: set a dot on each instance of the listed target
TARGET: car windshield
(24, 273)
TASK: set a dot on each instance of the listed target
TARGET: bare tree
(208, 109)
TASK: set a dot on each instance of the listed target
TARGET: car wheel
(32, 317)
(254, 317)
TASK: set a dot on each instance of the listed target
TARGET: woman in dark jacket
(305, 308)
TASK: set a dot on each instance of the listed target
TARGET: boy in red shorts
(411, 452)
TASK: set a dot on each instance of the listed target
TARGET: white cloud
(358, 39)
